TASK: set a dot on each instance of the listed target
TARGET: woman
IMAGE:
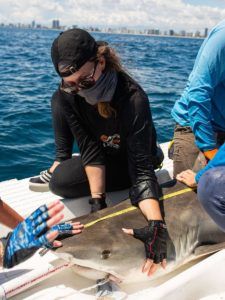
(108, 114)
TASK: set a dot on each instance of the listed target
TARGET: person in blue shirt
(211, 186)
(200, 112)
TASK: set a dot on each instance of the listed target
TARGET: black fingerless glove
(154, 237)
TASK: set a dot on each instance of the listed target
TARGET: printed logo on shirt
(112, 141)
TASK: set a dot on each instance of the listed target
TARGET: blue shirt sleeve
(209, 71)
(218, 160)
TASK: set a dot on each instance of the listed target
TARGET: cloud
(162, 14)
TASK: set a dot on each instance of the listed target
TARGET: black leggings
(69, 179)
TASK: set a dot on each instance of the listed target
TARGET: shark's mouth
(90, 269)
(94, 271)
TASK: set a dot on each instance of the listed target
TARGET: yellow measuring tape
(126, 210)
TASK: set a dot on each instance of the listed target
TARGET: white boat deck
(47, 277)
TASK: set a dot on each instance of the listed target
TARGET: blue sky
(189, 15)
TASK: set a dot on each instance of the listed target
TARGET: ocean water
(160, 64)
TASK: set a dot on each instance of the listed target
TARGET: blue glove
(63, 228)
(28, 236)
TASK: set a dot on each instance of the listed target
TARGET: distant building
(123, 30)
(94, 29)
(153, 31)
(130, 31)
(33, 24)
(190, 34)
(183, 33)
(171, 32)
(197, 33)
(206, 32)
(150, 31)
(55, 24)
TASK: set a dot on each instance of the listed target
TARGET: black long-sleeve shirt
(130, 132)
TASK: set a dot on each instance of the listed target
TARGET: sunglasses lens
(87, 83)
(73, 88)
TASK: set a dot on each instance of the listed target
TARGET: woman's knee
(69, 179)
(57, 184)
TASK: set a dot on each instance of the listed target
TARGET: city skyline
(190, 15)
(118, 30)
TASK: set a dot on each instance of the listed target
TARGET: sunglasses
(73, 88)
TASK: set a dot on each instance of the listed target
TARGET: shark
(104, 250)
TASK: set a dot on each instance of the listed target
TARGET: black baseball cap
(72, 48)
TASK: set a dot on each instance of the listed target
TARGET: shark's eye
(105, 254)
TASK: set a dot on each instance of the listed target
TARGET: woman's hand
(187, 177)
(154, 236)
(40, 229)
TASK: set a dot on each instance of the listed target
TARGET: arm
(96, 179)
(191, 179)
(141, 139)
(63, 136)
(144, 191)
(209, 71)
(90, 149)
(218, 160)
(8, 216)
